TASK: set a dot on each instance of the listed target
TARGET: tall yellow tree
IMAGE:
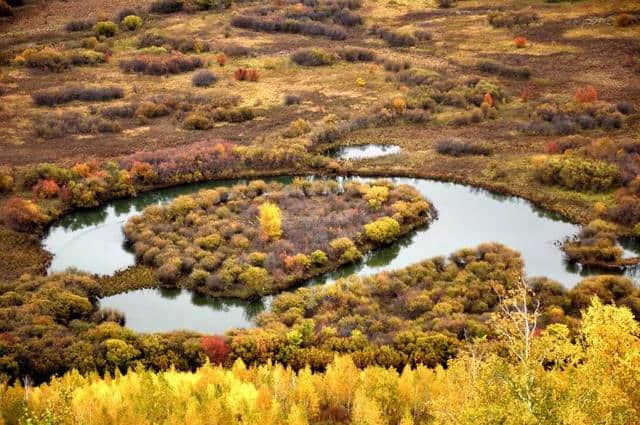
(271, 220)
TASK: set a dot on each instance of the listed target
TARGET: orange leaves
(46, 189)
(141, 170)
(487, 99)
(587, 94)
(520, 42)
(221, 59)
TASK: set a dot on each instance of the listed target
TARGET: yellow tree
(271, 220)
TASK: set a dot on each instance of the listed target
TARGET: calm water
(364, 151)
(92, 240)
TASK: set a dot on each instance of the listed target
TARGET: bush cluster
(312, 57)
(507, 71)
(577, 173)
(132, 22)
(552, 119)
(288, 26)
(152, 65)
(183, 45)
(354, 54)
(58, 125)
(166, 6)
(224, 255)
(66, 94)
(456, 147)
(203, 78)
(52, 60)
(596, 245)
(511, 19)
(394, 38)
(105, 29)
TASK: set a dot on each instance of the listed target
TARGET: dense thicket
(259, 238)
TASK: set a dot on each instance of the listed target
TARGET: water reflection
(363, 151)
(92, 240)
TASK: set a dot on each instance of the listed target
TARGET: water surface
(92, 240)
(364, 151)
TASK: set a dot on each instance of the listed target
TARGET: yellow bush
(383, 230)
(271, 220)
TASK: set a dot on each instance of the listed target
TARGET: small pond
(92, 240)
(364, 151)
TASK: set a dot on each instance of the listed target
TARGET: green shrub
(105, 29)
(319, 257)
(256, 278)
(578, 173)
(383, 230)
(132, 22)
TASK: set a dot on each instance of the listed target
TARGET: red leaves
(587, 94)
(246, 74)
(520, 42)
(215, 348)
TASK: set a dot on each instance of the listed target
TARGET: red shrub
(215, 348)
(221, 59)
(46, 189)
(552, 147)
(20, 214)
(525, 94)
(587, 94)
(520, 42)
(244, 74)
(240, 74)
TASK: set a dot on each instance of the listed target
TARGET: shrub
(166, 6)
(507, 71)
(85, 57)
(577, 173)
(124, 12)
(511, 19)
(173, 64)
(297, 128)
(587, 94)
(120, 111)
(393, 38)
(221, 59)
(312, 57)
(245, 74)
(46, 189)
(624, 20)
(105, 29)
(288, 26)
(235, 50)
(57, 96)
(354, 54)
(383, 230)
(396, 65)
(152, 110)
(196, 121)
(6, 183)
(203, 78)
(347, 18)
(21, 214)
(422, 35)
(270, 220)
(520, 42)
(80, 25)
(47, 59)
(59, 125)
(213, 4)
(455, 147)
(625, 107)
(291, 99)
(132, 22)
(445, 4)
(215, 348)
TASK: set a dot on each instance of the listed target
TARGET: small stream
(92, 240)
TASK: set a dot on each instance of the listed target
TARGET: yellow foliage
(271, 220)
(588, 378)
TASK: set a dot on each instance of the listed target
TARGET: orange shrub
(46, 189)
(141, 170)
(520, 42)
(82, 169)
(487, 99)
(399, 104)
(623, 20)
(525, 94)
(244, 74)
(252, 75)
(240, 74)
(587, 94)
(21, 214)
(221, 59)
